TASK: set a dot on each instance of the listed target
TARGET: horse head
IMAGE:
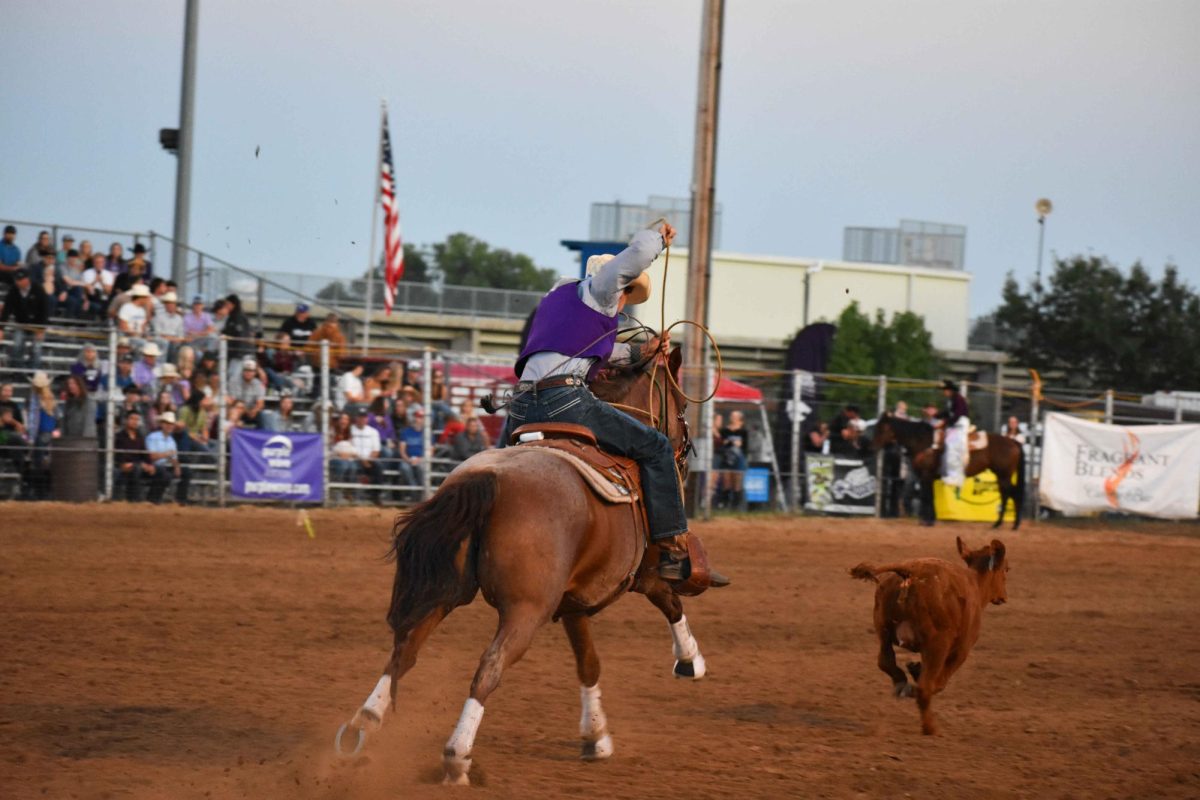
(885, 432)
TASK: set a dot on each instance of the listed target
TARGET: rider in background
(955, 426)
(572, 335)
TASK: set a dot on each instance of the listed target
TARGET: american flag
(393, 268)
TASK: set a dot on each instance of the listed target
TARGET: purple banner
(277, 466)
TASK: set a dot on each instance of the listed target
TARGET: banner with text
(1152, 470)
(840, 485)
(277, 466)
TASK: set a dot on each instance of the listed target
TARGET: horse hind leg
(593, 724)
(369, 716)
(512, 639)
(689, 662)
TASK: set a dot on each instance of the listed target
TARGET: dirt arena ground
(169, 653)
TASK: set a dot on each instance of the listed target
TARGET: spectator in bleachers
(132, 462)
(163, 404)
(164, 454)
(46, 274)
(901, 410)
(367, 449)
(74, 286)
(79, 409)
(274, 364)
(98, 287)
(43, 428)
(439, 398)
(133, 401)
(198, 327)
(115, 263)
(237, 330)
(220, 315)
(170, 382)
(929, 413)
(7, 402)
(412, 398)
(124, 375)
(379, 419)
(158, 290)
(25, 305)
(250, 390)
(399, 413)
(167, 326)
(186, 362)
(342, 466)
(134, 315)
(378, 384)
(195, 418)
(139, 264)
(330, 331)
(68, 244)
(13, 441)
(289, 420)
(350, 387)
(472, 440)
(33, 254)
(453, 427)
(411, 441)
(86, 252)
(300, 326)
(10, 255)
(147, 371)
(1012, 430)
(234, 412)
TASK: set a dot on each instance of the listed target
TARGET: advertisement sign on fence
(1152, 470)
(277, 466)
(840, 485)
(977, 501)
(756, 483)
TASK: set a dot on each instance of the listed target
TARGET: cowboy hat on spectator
(151, 349)
(139, 290)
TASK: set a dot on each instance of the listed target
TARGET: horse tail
(436, 547)
(870, 572)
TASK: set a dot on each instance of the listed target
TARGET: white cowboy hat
(167, 416)
(170, 297)
(636, 291)
(151, 349)
(169, 371)
(139, 290)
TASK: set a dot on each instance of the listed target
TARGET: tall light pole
(1043, 208)
(183, 174)
(704, 168)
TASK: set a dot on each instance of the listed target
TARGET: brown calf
(934, 608)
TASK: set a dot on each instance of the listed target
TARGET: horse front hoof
(902, 690)
(693, 670)
(457, 768)
(598, 750)
(339, 746)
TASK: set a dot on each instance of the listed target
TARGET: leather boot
(674, 565)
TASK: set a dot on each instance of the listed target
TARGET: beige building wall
(761, 298)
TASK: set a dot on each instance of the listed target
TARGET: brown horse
(1003, 456)
(521, 525)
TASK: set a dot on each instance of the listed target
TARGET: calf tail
(870, 572)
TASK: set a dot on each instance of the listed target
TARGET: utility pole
(704, 168)
(183, 174)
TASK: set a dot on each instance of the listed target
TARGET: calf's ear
(962, 549)
(997, 553)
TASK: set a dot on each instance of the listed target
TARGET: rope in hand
(665, 330)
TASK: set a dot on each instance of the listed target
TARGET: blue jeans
(619, 433)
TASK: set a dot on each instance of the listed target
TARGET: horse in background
(521, 525)
(1003, 456)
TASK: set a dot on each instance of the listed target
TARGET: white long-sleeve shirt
(601, 292)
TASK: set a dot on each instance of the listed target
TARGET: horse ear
(674, 361)
(962, 549)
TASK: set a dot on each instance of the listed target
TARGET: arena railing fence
(781, 410)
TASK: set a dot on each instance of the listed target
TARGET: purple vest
(563, 323)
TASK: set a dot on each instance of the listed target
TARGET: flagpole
(374, 227)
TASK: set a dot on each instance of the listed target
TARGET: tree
(901, 348)
(1103, 328)
(464, 260)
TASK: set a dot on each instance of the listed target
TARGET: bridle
(660, 390)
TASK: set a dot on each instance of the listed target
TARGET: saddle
(613, 479)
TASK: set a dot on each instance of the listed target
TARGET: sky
(509, 119)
